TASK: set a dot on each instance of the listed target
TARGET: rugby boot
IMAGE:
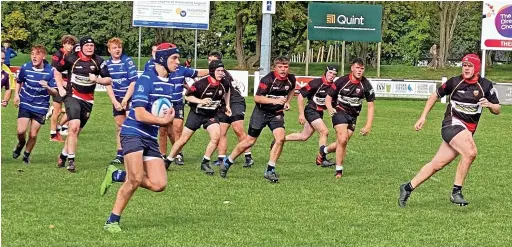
(271, 176)
(404, 195)
(207, 169)
(458, 198)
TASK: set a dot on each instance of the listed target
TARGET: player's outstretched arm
(328, 104)
(493, 108)
(60, 82)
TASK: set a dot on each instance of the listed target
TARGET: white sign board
(172, 14)
(497, 25)
(268, 7)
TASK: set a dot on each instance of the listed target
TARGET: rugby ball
(160, 106)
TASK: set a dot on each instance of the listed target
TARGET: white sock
(271, 163)
(206, 157)
(52, 132)
(325, 150)
(339, 168)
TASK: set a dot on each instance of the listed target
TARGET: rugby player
(236, 120)
(344, 102)
(8, 81)
(123, 72)
(58, 58)
(144, 166)
(312, 115)
(469, 94)
(273, 97)
(83, 69)
(205, 97)
(32, 96)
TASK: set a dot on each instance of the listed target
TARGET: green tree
(14, 27)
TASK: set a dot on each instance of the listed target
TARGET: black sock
(248, 156)
(26, 154)
(270, 168)
(322, 150)
(408, 187)
(220, 158)
(53, 135)
(205, 161)
(456, 188)
(63, 157)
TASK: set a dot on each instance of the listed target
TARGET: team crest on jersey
(220, 92)
(140, 89)
(286, 87)
(278, 117)
(130, 62)
(476, 92)
(358, 90)
(92, 67)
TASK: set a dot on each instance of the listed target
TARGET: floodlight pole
(307, 58)
(266, 37)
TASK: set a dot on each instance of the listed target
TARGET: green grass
(307, 208)
(497, 73)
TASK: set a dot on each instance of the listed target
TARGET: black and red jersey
(58, 59)
(316, 91)
(208, 87)
(274, 86)
(236, 91)
(348, 93)
(464, 107)
(79, 67)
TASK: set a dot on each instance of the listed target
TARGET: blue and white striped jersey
(148, 88)
(122, 72)
(149, 64)
(34, 97)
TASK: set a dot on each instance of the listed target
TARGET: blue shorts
(148, 146)
(115, 112)
(25, 113)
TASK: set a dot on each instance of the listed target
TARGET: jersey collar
(473, 79)
(325, 81)
(212, 81)
(84, 57)
(279, 77)
(353, 79)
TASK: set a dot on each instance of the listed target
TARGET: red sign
(498, 43)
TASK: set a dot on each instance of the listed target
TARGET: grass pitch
(45, 206)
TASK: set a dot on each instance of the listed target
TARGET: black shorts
(451, 128)
(195, 120)
(312, 114)
(25, 113)
(149, 146)
(237, 113)
(57, 98)
(341, 117)
(115, 112)
(260, 119)
(78, 109)
(179, 111)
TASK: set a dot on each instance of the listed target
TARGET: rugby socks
(456, 188)
(26, 154)
(228, 161)
(64, 156)
(119, 154)
(71, 157)
(119, 176)
(339, 168)
(408, 187)
(53, 133)
(271, 166)
(64, 127)
(206, 160)
(220, 158)
(113, 218)
(323, 150)
(248, 156)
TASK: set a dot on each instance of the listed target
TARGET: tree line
(409, 29)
